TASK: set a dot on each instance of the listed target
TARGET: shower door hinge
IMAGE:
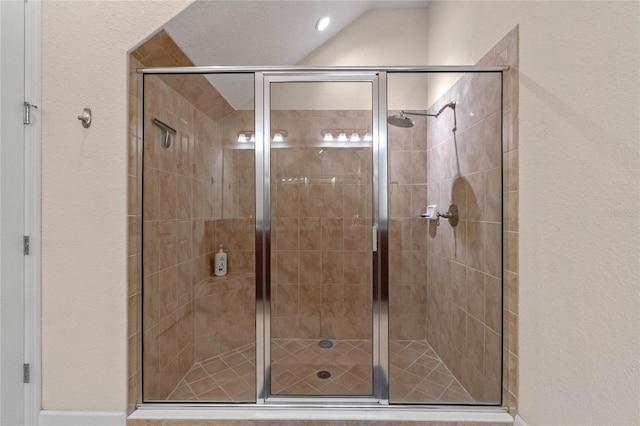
(26, 244)
(374, 238)
(26, 119)
(25, 372)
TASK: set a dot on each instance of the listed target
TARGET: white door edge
(32, 220)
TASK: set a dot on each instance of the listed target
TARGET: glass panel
(445, 281)
(198, 196)
(321, 261)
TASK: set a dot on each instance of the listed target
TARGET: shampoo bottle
(220, 263)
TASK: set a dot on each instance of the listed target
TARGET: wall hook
(167, 131)
(85, 117)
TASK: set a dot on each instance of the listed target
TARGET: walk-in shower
(338, 289)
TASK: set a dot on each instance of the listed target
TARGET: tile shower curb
(334, 413)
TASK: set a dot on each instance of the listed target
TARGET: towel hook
(85, 117)
(167, 132)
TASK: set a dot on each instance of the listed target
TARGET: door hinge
(374, 238)
(27, 243)
(26, 119)
(25, 373)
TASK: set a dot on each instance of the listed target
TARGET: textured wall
(84, 206)
(579, 201)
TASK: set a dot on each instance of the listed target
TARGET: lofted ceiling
(262, 32)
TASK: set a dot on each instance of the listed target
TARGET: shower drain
(323, 374)
(325, 344)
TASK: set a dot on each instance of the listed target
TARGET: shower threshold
(372, 415)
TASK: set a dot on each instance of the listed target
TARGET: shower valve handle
(451, 215)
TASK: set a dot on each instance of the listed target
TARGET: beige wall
(84, 207)
(579, 92)
(579, 225)
(381, 37)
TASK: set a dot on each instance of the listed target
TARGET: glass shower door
(321, 288)
(198, 339)
(445, 275)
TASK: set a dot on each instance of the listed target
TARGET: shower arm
(451, 105)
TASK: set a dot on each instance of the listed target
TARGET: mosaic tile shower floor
(417, 373)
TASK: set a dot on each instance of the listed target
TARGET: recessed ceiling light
(323, 23)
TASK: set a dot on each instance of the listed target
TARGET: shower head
(400, 120)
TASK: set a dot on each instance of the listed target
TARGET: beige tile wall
(134, 245)
(178, 208)
(203, 192)
(505, 52)
(191, 209)
(224, 314)
(161, 51)
(321, 257)
(464, 280)
(471, 255)
(407, 231)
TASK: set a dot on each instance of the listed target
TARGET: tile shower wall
(407, 231)
(225, 306)
(192, 105)
(505, 52)
(321, 226)
(198, 196)
(464, 323)
(178, 209)
(134, 244)
(159, 50)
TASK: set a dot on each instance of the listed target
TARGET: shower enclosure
(361, 214)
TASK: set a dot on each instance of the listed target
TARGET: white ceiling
(245, 32)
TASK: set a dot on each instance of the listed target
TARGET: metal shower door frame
(380, 300)
(262, 234)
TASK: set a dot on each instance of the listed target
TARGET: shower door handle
(374, 238)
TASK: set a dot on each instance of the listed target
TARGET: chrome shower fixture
(401, 120)
(167, 132)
